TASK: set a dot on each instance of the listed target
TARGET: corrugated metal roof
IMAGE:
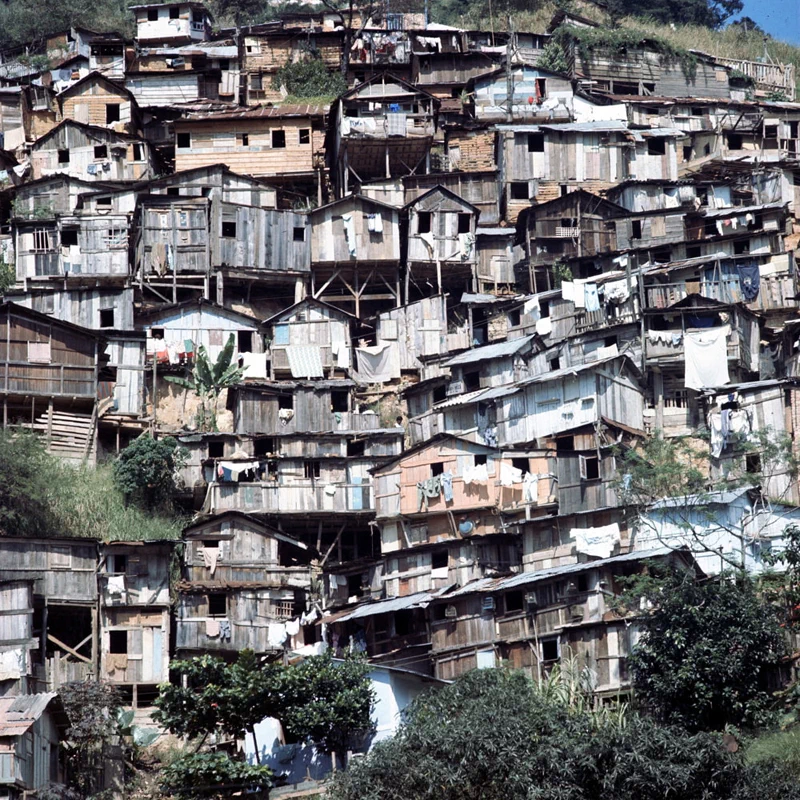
(720, 498)
(263, 112)
(567, 371)
(528, 578)
(418, 600)
(17, 714)
(489, 351)
(737, 210)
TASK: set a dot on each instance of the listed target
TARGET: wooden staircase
(69, 435)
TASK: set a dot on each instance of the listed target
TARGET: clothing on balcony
(706, 356)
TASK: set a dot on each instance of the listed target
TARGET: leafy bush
(309, 77)
(145, 471)
(706, 653)
(212, 775)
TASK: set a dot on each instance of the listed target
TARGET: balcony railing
(301, 497)
(776, 291)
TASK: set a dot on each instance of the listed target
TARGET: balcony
(397, 125)
(776, 292)
(302, 497)
(667, 345)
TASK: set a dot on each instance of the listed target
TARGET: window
(770, 131)
(184, 140)
(514, 601)
(590, 468)
(244, 341)
(554, 363)
(340, 401)
(424, 222)
(464, 223)
(175, 12)
(224, 64)
(549, 649)
(112, 113)
(437, 468)
(439, 559)
(118, 564)
(278, 139)
(583, 583)
(283, 609)
(152, 14)
(694, 251)
(244, 139)
(137, 152)
(312, 469)
(440, 612)
(522, 464)
(514, 318)
(116, 238)
(402, 623)
(286, 402)
(217, 604)
(656, 147)
(687, 152)
(440, 393)
(256, 82)
(636, 229)
(69, 237)
(101, 151)
(118, 642)
(229, 230)
(752, 463)
(173, 191)
(63, 156)
(298, 234)
(355, 447)
(565, 444)
(264, 446)
(304, 136)
(106, 317)
(216, 449)
(479, 459)
(734, 141)
(41, 240)
(520, 190)
(536, 143)
(741, 247)
(471, 380)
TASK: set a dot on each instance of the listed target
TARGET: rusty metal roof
(17, 714)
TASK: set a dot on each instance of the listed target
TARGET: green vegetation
(309, 79)
(316, 700)
(497, 735)
(208, 380)
(709, 13)
(145, 472)
(42, 496)
(707, 652)
(620, 41)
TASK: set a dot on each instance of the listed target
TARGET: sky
(780, 18)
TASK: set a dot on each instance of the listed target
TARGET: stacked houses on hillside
(459, 292)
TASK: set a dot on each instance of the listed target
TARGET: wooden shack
(50, 371)
(97, 100)
(31, 727)
(441, 240)
(16, 637)
(383, 127)
(91, 153)
(567, 398)
(283, 142)
(134, 592)
(536, 95)
(674, 407)
(63, 575)
(355, 254)
(644, 70)
(217, 182)
(445, 74)
(172, 23)
(535, 619)
(310, 329)
(242, 582)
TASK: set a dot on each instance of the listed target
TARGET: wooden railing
(776, 291)
(300, 497)
(767, 77)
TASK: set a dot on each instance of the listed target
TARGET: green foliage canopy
(145, 471)
(495, 735)
(705, 654)
(309, 77)
(212, 775)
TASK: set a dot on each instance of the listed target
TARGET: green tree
(319, 700)
(210, 775)
(26, 469)
(145, 471)
(706, 653)
(496, 735)
(309, 77)
(208, 380)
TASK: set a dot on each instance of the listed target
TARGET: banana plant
(208, 380)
